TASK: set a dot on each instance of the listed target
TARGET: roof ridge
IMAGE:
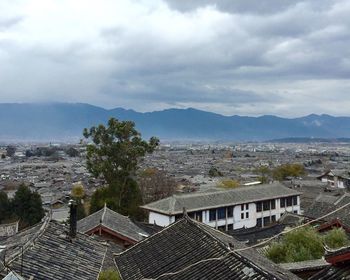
(104, 213)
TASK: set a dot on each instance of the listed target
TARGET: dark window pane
(283, 202)
(222, 228)
(230, 212)
(295, 200)
(259, 206)
(266, 205)
(247, 215)
(242, 207)
(259, 222)
(212, 215)
(266, 221)
(221, 213)
(191, 215)
(289, 201)
(198, 216)
(246, 206)
(273, 218)
(230, 227)
(242, 216)
(273, 204)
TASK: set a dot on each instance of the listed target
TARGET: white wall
(160, 219)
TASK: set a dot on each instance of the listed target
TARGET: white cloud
(229, 57)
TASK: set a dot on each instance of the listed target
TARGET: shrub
(336, 238)
(109, 274)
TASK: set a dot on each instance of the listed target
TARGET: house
(336, 178)
(247, 206)
(325, 204)
(52, 251)
(339, 268)
(191, 250)
(112, 226)
(8, 229)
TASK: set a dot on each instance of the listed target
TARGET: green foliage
(298, 245)
(288, 170)
(72, 152)
(336, 238)
(27, 206)
(264, 173)
(78, 191)
(109, 274)
(10, 151)
(4, 207)
(214, 172)
(228, 184)
(114, 154)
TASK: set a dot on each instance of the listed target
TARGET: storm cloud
(288, 58)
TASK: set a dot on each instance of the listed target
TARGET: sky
(244, 57)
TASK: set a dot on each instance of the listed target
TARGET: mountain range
(66, 121)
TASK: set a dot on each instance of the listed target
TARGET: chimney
(72, 218)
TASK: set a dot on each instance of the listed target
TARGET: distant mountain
(65, 121)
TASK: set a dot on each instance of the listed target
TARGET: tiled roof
(305, 265)
(341, 272)
(325, 204)
(205, 200)
(191, 250)
(113, 221)
(49, 254)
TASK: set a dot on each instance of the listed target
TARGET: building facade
(248, 206)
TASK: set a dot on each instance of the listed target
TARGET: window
(283, 202)
(289, 201)
(198, 216)
(259, 222)
(247, 215)
(266, 221)
(273, 218)
(178, 217)
(246, 206)
(221, 213)
(295, 211)
(266, 205)
(230, 227)
(242, 216)
(259, 206)
(230, 212)
(273, 204)
(191, 215)
(242, 207)
(222, 228)
(295, 200)
(212, 215)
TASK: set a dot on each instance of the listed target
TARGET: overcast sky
(283, 57)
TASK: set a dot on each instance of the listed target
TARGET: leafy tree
(264, 173)
(228, 184)
(114, 154)
(78, 193)
(27, 206)
(288, 170)
(155, 185)
(10, 150)
(4, 206)
(298, 245)
(336, 238)
(214, 172)
(109, 274)
(72, 152)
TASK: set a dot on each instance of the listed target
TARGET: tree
(10, 150)
(27, 206)
(288, 170)
(298, 245)
(336, 238)
(228, 184)
(114, 154)
(72, 152)
(214, 172)
(4, 206)
(78, 193)
(155, 185)
(264, 173)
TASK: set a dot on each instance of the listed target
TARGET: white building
(336, 178)
(247, 206)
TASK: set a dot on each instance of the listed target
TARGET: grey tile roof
(341, 272)
(113, 221)
(191, 250)
(205, 200)
(325, 204)
(305, 265)
(50, 255)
